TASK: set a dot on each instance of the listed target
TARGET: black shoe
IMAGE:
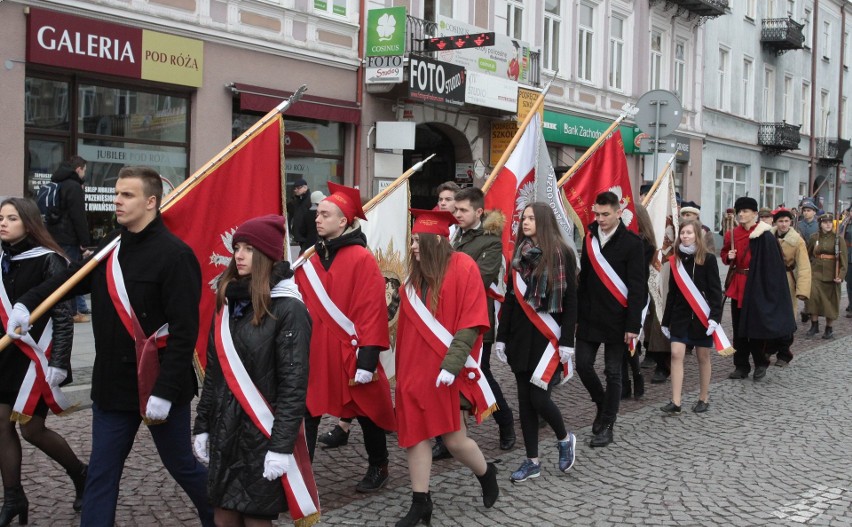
(781, 363)
(507, 437)
(805, 317)
(603, 438)
(738, 374)
(14, 504)
(814, 329)
(759, 372)
(335, 438)
(598, 424)
(439, 451)
(626, 392)
(659, 377)
(829, 333)
(421, 510)
(638, 385)
(490, 489)
(374, 479)
(670, 409)
(79, 480)
(700, 407)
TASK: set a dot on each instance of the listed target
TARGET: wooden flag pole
(658, 180)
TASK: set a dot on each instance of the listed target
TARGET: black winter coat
(275, 354)
(22, 275)
(163, 280)
(72, 228)
(678, 315)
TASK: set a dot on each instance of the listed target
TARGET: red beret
(432, 222)
(347, 199)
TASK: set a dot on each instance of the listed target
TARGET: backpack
(49, 202)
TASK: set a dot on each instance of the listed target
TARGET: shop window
(132, 114)
(46, 104)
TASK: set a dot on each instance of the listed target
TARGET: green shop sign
(386, 32)
(578, 131)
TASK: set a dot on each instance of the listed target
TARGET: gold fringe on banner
(727, 352)
(308, 521)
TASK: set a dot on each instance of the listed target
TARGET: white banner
(491, 92)
(662, 208)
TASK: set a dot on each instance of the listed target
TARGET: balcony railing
(778, 137)
(830, 151)
(782, 34)
(705, 9)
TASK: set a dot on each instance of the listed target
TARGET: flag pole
(659, 179)
(539, 102)
(236, 143)
(626, 111)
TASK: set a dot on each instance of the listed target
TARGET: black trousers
(781, 346)
(745, 347)
(609, 399)
(503, 415)
(534, 402)
(375, 439)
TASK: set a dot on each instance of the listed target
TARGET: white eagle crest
(220, 260)
(623, 202)
(525, 196)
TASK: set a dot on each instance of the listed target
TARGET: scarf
(526, 260)
(686, 249)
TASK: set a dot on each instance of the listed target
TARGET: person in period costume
(149, 286)
(828, 267)
(536, 331)
(612, 293)
(443, 316)
(345, 293)
(798, 266)
(764, 214)
(263, 330)
(807, 226)
(694, 280)
(32, 371)
(760, 310)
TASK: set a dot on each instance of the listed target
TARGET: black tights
(38, 435)
(534, 402)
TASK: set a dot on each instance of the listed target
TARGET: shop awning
(259, 99)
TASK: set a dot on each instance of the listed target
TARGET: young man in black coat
(163, 283)
(602, 318)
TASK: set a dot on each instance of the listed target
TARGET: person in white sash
(271, 334)
(546, 267)
(681, 324)
(29, 257)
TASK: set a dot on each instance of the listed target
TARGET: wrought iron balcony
(830, 151)
(705, 9)
(778, 137)
(782, 34)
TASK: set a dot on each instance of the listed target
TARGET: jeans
(609, 399)
(534, 402)
(113, 433)
(78, 304)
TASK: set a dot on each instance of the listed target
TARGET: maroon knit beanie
(265, 233)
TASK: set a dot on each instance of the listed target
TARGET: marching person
(29, 257)
(536, 331)
(807, 226)
(694, 280)
(794, 250)
(263, 329)
(611, 316)
(442, 319)
(150, 284)
(827, 274)
(344, 291)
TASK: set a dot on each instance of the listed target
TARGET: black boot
(421, 510)
(814, 329)
(14, 504)
(638, 385)
(490, 489)
(829, 333)
(603, 438)
(507, 436)
(597, 424)
(79, 480)
(374, 479)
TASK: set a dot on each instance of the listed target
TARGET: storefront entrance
(452, 155)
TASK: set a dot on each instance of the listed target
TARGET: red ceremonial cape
(356, 286)
(422, 410)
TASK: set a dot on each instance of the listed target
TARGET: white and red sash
(605, 272)
(699, 305)
(547, 326)
(299, 485)
(34, 386)
(472, 382)
(147, 355)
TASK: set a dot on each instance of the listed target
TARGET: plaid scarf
(538, 297)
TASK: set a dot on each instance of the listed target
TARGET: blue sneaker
(527, 470)
(566, 452)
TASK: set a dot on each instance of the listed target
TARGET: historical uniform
(797, 265)
(825, 292)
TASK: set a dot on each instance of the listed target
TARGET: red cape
(422, 410)
(356, 286)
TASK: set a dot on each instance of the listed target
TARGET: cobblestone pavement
(774, 452)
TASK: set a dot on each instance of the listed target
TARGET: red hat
(265, 233)
(432, 222)
(347, 199)
(781, 212)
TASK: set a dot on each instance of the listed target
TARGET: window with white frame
(751, 9)
(730, 184)
(771, 187)
(788, 98)
(656, 80)
(332, 7)
(824, 112)
(806, 107)
(768, 94)
(748, 87)
(552, 33)
(515, 19)
(616, 53)
(806, 30)
(680, 69)
(791, 9)
(585, 46)
(724, 88)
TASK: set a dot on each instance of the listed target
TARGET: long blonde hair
(700, 246)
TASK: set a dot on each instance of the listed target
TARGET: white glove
(363, 376)
(158, 408)
(199, 444)
(500, 350)
(712, 325)
(276, 465)
(445, 377)
(55, 376)
(18, 318)
(565, 354)
(666, 332)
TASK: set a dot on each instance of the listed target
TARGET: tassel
(727, 352)
(308, 521)
(20, 418)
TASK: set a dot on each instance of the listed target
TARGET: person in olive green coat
(826, 277)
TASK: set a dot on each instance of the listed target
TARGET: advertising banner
(502, 133)
(433, 81)
(384, 70)
(385, 32)
(579, 131)
(491, 92)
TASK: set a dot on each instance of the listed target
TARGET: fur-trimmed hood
(493, 222)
